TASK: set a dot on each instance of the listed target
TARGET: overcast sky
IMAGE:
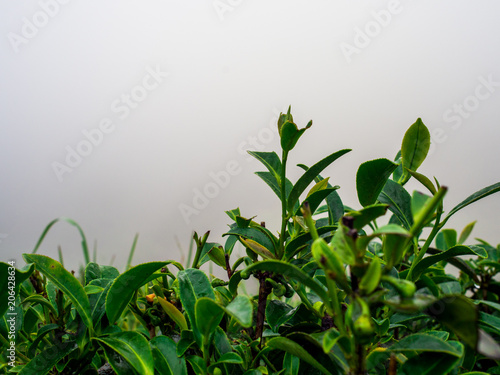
(135, 117)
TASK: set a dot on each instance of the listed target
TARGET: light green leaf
(173, 313)
(416, 143)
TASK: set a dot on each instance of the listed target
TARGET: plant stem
(337, 310)
(284, 216)
(264, 291)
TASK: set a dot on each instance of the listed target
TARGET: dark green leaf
(371, 178)
(474, 198)
(165, 358)
(66, 282)
(399, 202)
(133, 348)
(125, 285)
(47, 359)
(309, 176)
(17, 277)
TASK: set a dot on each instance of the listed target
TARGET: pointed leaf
(125, 285)
(371, 178)
(132, 347)
(66, 282)
(165, 358)
(309, 177)
(416, 143)
(474, 198)
(173, 313)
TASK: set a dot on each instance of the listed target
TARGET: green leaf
(217, 255)
(474, 198)
(17, 276)
(40, 335)
(44, 362)
(241, 309)
(173, 313)
(124, 286)
(303, 240)
(446, 239)
(291, 364)
(399, 202)
(92, 272)
(371, 178)
(290, 134)
(421, 342)
(131, 347)
(367, 214)
(273, 182)
(66, 282)
(309, 176)
(197, 364)
(289, 346)
(208, 316)
(253, 234)
(270, 160)
(371, 278)
(289, 270)
(416, 143)
(193, 285)
(455, 251)
(423, 180)
(75, 224)
(315, 199)
(165, 358)
(459, 314)
(257, 248)
(466, 232)
(429, 364)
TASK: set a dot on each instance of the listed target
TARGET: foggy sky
(120, 114)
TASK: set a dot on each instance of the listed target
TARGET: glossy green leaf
(124, 286)
(173, 313)
(253, 234)
(273, 182)
(17, 278)
(371, 178)
(308, 177)
(371, 278)
(131, 347)
(474, 198)
(208, 315)
(257, 248)
(270, 160)
(315, 199)
(44, 362)
(418, 201)
(289, 346)
(193, 284)
(66, 282)
(304, 240)
(421, 342)
(455, 251)
(459, 314)
(423, 180)
(446, 239)
(241, 309)
(288, 270)
(399, 202)
(429, 364)
(98, 301)
(217, 255)
(197, 364)
(40, 335)
(367, 214)
(416, 143)
(165, 358)
(291, 364)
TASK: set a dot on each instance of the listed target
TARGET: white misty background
(179, 90)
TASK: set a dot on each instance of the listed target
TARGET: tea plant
(340, 290)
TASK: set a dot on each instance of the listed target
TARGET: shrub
(340, 290)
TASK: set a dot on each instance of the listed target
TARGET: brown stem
(393, 365)
(228, 267)
(264, 291)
